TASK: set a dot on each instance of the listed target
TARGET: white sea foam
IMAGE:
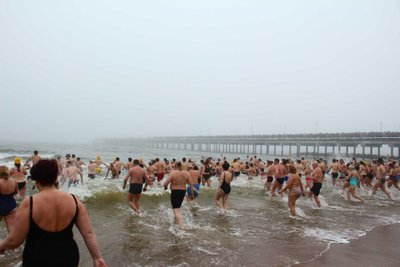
(178, 232)
(236, 232)
(300, 213)
(331, 236)
(206, 251)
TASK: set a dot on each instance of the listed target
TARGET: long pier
(364, 145)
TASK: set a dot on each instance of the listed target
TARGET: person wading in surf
(137, 176)
(178, 180)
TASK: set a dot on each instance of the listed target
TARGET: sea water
(256, 231)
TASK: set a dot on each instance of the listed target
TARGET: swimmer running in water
(295, 187)
(195, 177)
(380, 179)
(136, 176)
(178, 180)
(317, 177)
(353, 178)
(224, 187)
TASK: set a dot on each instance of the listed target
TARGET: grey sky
(79, 70)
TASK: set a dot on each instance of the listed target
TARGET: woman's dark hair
(45, 172)
(226, 166)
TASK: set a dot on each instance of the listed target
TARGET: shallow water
(256, 231)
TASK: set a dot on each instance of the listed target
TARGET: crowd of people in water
(55, 212)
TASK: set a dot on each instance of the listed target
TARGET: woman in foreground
(45, 221)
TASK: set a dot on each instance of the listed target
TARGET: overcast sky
(80, 70)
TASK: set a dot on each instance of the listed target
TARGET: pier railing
(367, 144)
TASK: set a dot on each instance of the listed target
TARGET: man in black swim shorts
(317, 177)
(137, 176)
(178, 180)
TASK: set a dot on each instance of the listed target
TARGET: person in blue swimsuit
(353, 179)
(45, 221)
(224, 187)
(195, 177)
(8, 189)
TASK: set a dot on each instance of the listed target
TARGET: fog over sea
(256, 231)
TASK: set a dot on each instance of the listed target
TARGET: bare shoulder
(172, 173)
(25, 203)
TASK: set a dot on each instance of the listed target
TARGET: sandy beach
(379, 247)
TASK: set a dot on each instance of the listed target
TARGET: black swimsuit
(177, 196)
(225, 186)
(45, 249)
(207, 173)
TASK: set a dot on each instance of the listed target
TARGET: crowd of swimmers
(184, 178)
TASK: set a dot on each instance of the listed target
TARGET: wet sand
(379, 247)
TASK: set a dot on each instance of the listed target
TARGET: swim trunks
(177, 197)
(135, 188)
(334, 175)
(73, 182)
(160, 176)
(196, 190)
(280, 180)
(270, 179)
(206, 176)
(236, 174)
(316, 188)
(91, 176)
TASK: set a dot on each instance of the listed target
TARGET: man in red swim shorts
(160, 167)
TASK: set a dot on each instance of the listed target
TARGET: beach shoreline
(379, 247)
